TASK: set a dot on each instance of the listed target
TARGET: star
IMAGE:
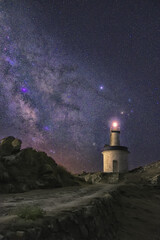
(46, 128)
(24, 89)
(101, 87)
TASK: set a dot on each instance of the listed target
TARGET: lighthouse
(115, 156)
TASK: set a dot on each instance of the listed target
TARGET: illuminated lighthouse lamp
(115, 126)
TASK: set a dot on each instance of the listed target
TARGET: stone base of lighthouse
(115, 159)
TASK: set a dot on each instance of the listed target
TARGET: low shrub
(30, 212)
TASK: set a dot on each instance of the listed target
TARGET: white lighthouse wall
(114, 139)
(119, 155)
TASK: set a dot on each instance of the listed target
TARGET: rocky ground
(93, 206)
(71, 213)
(100, 211)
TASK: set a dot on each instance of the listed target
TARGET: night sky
(68, 68)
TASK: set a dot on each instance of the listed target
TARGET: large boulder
(26, 169)
(9, 145)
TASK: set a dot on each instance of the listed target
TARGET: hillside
(27, 169)
(149, 174)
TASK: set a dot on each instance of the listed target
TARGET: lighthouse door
(115, 166)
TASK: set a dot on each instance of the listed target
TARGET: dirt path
(52, 200)
(136, 208)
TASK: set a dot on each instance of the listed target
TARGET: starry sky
(68, 68)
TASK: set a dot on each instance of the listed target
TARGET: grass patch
(30, 212)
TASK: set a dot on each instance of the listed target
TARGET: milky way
(44, 100)
(49, 98)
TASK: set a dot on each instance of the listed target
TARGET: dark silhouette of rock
(26, 169)
(9, 145)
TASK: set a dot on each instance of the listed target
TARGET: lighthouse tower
(115, 156)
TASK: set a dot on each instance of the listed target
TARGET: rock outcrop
(26, 169)
(99, 177)
(149, 174)
(9, 145)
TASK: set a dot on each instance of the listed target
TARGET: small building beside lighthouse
(115, 156)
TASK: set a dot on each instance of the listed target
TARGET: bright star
(101, 87)
(24, 90)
